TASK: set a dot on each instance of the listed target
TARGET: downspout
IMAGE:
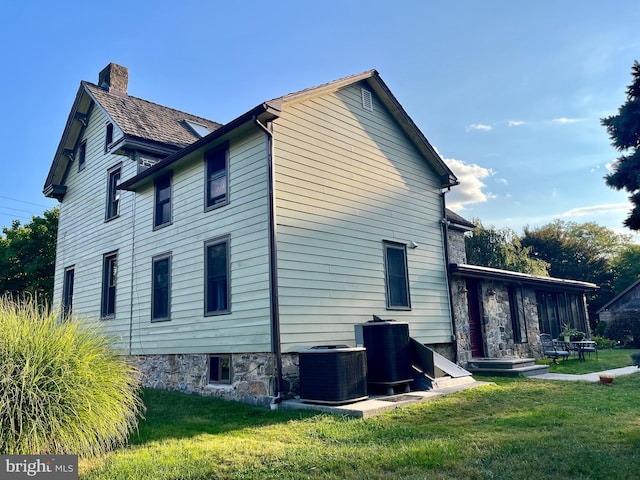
(445, 234)
(276, 347)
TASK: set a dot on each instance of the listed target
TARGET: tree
(579, 251)
(501, 248)
(27, 256)
(626, 267)
(624, 132)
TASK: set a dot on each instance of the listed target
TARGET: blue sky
(510, 93)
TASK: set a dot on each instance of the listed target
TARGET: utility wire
(23, 201)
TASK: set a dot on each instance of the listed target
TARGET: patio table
(580, 345)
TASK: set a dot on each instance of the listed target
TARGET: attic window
(198, 129)
(108, 139)
(367, 100)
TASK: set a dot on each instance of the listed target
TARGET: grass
(515, 429)
(607, 359)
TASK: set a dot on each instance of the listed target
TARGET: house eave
(475, 271)
(264, 112)
(55, 191)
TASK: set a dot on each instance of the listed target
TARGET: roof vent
(367, 100)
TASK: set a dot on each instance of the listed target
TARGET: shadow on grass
(175, 415)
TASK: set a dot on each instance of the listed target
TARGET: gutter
(276, 346)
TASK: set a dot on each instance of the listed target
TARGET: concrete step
(527, 371)
(476, 364)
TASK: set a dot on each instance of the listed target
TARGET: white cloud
(479, 126)
(502, 181)
(606, 208)
(609, 166)
(470, 189)
(565, 120)
(515, 123)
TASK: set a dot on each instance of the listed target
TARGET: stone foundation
(253, 375)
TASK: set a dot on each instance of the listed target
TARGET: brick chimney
(114, 78)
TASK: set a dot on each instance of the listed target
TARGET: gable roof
(272, 107)
(620, 296)
(145, 125)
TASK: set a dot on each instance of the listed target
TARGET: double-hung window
(162, 207)
(217, 178)
(161, 295)
(396, 276)
(113, 194)
(109, 277)
(217, 276)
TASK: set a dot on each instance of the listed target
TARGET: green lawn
(607, 360)
(516, 429)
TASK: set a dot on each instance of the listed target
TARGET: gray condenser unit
(333, 374)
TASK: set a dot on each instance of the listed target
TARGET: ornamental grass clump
(63, 388)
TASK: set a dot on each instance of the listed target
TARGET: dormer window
(108, 139)
(198, 129)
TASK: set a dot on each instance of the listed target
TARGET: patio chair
(551, 350)
(591, 349)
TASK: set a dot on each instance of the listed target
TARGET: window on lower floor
(162, 206)
(518, 314)
(217, 276)
(219, 368)
(109, 277)
(396, 276)
(556, 309)
(161, 295)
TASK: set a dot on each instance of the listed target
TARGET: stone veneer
(253, 375)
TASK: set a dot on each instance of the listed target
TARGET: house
(500, 314)
(214, 253)
(628, 300)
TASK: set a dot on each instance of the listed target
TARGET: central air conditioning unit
(333, 374)
(388, 353)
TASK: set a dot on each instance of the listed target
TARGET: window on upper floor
(162, 206)
(113, 193)
(396, 276)
(108, 138)
(217, 178)
(217, 276)
(82, 155)
(161, 294)
(109, 277)
(67, 292)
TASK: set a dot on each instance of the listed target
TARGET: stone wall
(456, 250)
(253, 375)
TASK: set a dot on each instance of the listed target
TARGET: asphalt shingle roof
(149, 121)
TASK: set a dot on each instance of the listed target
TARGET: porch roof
(487, 273)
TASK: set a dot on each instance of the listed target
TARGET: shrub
(63, 389)
(604, 343)
(624, 327)
(600, 328)
(635, 358)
